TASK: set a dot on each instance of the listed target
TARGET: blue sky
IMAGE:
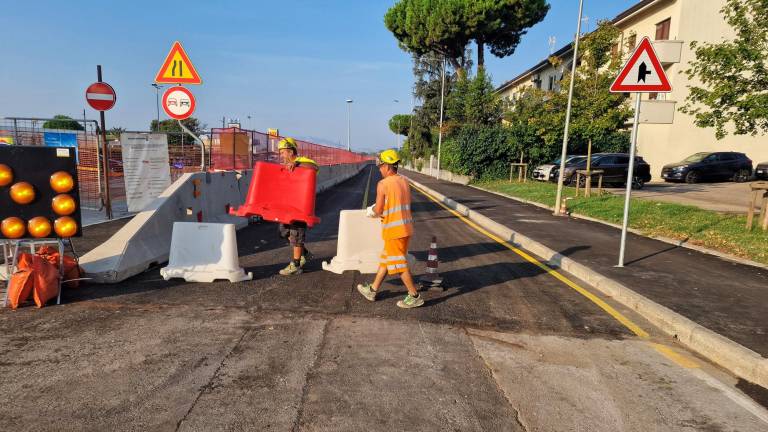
(288, 65)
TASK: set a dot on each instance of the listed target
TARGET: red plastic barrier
(279, 195)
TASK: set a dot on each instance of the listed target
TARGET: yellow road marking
(681, 360)
(676, 357)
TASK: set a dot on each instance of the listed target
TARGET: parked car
(543, 172)
(615, 167)
(761, 171)
(709, 166)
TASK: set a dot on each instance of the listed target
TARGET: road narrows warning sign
(642, 73)
(177, 68)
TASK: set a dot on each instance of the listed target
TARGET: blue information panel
(61, 139)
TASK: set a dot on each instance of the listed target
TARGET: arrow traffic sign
(178, 103)
(100, 96)
(177, 68)
(642, 73)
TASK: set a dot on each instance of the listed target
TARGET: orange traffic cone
(432, 280)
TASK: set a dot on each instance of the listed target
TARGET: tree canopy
(61, 121)
(447, 27)
(400, 123)
(733, 74)
(170, 125)
(536, 117)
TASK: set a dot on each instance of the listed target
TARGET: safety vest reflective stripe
(396, 209)
(397, 223)
(395, 258)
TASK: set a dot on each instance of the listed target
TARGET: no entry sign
(178, 103)
(100, 96)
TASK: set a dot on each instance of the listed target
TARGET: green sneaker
(305, 258)
(291, 269)
(410, 302)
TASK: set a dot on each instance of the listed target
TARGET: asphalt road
(506, 346)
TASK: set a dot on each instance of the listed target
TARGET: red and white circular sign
(100, 96)
(178, 103)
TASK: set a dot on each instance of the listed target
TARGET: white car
(545, 172)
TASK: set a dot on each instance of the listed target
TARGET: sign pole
(199, 141)
(105, 155)
(630, 178)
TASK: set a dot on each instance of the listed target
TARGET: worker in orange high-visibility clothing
(393, 206)
(296, 232)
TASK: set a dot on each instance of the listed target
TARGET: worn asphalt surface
(505, 347)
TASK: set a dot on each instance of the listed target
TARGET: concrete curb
(730, 355)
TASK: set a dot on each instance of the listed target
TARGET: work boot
(410, 302)
(367, 291)
(291, 269)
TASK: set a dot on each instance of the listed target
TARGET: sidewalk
(728, 298)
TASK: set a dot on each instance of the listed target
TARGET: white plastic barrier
(204, 252)
(359, 244)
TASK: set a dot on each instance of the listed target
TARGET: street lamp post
(568, 113)
(349, 109)
(440, 132)
(157, 98)
(397, 126)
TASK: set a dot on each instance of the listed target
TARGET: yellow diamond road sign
(177, 68)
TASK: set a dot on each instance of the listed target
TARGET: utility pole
(564, 152)
(440, 132)
(157, 99)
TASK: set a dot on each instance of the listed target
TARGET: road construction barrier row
(145, 241)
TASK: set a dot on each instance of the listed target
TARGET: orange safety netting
(235, 148)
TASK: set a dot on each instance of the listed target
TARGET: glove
(369, 212)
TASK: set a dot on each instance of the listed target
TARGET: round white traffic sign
(178, 103)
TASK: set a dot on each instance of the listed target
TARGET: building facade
(665, 134)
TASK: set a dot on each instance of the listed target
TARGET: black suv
(614, 167)
(761, 171)
(709, 166)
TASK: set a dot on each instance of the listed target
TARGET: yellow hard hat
(287, 143)
(389, 157)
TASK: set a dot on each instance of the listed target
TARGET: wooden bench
(588, 181)
(759, 193)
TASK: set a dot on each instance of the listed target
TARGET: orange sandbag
(20, 287)
(46, 280)
(71, 269)
(22, 281)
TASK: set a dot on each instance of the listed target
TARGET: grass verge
(722, 232)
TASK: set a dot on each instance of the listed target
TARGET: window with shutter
(662, 29)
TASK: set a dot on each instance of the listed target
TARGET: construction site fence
(235, 148)
(225, 149)
(184, 154)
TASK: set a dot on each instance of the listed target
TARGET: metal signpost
(641, 74)
(102, 97)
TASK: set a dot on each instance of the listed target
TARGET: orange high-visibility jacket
(396, 220)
